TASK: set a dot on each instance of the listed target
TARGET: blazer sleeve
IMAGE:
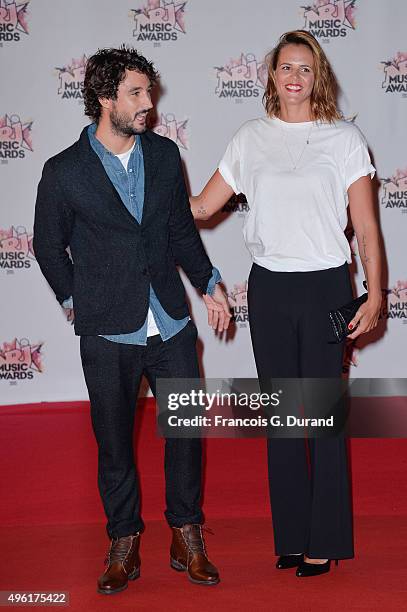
(185, 241)
(53, 224)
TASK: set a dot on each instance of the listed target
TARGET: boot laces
(119, 549)
(194, 539)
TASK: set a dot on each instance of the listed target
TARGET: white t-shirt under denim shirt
(297, 217)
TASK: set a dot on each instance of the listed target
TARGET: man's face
(128, 113)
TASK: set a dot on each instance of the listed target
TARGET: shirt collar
(101, 150)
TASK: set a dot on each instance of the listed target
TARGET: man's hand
(70, 315)
(219, 314)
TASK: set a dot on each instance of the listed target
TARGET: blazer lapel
(97, 178)
(151, 157)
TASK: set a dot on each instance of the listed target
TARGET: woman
(299, 168)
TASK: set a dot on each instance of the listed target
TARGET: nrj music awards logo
(159, 21)
(71, 79)
(236, 204)
(394, 190)
(328, 20)
(396, 306)
(15, 138)
(13, 20)
(237, 299)
(16, 249)
(395, 71)
(20, 360)
(241, 78)
(171, 128)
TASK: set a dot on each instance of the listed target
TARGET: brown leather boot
(123, 561)
(188, 554)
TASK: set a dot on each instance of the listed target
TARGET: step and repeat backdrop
(210, 54)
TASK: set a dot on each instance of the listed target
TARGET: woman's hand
(366, 317)
(214, 195)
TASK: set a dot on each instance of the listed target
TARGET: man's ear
(105, 103)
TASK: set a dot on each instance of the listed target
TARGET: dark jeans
(112, 373)
(289, 326)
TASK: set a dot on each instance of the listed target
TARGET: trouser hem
(125, 530)
(177, 521)
(317, 555)
(329, 555)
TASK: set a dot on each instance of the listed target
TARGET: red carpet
(53, 538)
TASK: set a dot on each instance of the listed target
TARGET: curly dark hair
(104, 72)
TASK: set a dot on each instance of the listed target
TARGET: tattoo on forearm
(366, 258)
(201, 210)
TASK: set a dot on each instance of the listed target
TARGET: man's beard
(122, 125)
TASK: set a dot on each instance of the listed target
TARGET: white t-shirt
(125, 157)
(152, 329)
(297, 217)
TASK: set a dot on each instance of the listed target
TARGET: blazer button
(145, 271)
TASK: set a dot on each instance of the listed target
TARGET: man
(117, 199)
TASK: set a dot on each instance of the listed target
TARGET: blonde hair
(324, 91)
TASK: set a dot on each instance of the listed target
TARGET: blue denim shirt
(130, 186)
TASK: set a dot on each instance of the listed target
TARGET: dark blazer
(113, 258)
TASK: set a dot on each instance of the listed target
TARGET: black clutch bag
(341, 317)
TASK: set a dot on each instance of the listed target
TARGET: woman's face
(294, 74)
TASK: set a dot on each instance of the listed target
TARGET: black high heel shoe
(313, 569)
(289, 561)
